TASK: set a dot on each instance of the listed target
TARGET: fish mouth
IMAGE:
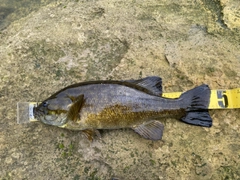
(55, 120)
(37, 113)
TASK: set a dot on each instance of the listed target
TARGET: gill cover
(56, 111)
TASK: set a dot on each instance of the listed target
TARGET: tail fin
(196, 103)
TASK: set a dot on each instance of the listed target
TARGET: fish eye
(45, 103)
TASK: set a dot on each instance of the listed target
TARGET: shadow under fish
(136, 104)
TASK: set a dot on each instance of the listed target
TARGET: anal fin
(152, 130)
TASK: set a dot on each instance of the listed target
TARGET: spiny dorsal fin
(152, 83)
(150, 130)
(73, 113)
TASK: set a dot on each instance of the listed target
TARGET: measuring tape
(219, 99)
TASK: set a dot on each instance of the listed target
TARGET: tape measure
(219, 99)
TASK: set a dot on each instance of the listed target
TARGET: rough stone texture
(187, 43)
(231, 12)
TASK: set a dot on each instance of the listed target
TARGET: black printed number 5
(222, 99)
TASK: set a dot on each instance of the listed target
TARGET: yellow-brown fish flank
(111, 116)
(123, 116)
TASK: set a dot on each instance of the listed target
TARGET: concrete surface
(59, 43)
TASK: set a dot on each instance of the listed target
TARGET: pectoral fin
(90, 133)
(152, 130)
(73, 113)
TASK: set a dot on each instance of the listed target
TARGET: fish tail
(196, 102)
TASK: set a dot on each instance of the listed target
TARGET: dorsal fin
(152, 83)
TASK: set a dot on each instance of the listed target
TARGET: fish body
(132, 104)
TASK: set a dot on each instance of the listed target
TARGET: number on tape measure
(222, 98)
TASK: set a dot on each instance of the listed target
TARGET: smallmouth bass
(135, 104)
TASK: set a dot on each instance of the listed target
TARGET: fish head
(53, 111)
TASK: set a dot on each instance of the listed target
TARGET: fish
(113, 104)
